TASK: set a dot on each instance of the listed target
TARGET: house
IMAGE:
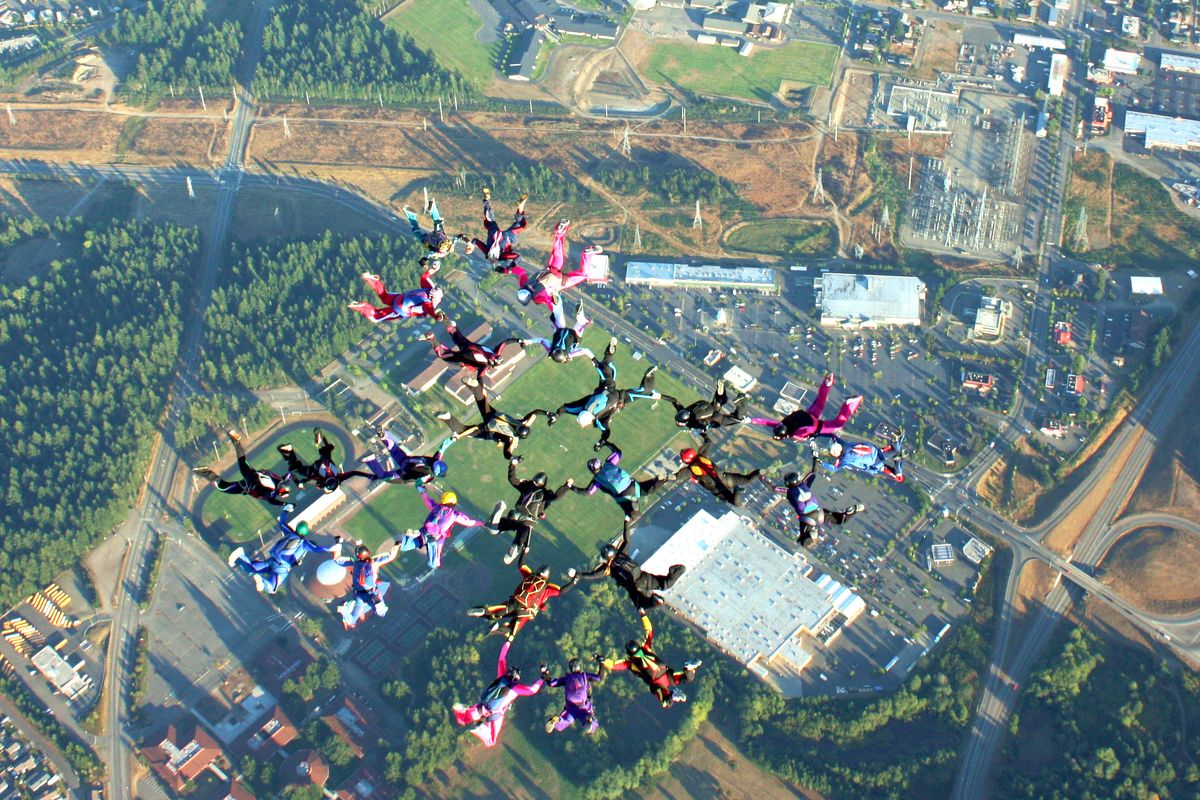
(305, 767)
(522, 59)
(182, 753)
(348, 724)
(275, 733)
(1076, 384)
(1062, 334)
(364, 784)
(978, 381)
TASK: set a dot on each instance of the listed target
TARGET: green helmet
(302, 529)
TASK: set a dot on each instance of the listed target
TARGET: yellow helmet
(449, 498)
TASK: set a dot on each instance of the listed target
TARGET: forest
(88, 347)
(334, 51)
(542, 183)
(1102, 719)
(674, 187)
(280, 314)
(179, 47)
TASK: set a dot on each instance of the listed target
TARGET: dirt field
(171, 141)
(104, 565)
(1091, 182)
(68, 135)
(1172, 480)
(711, 767)
(939, 50)
(1156, 568)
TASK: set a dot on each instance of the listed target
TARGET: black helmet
(575, 665)
(523, 431)
(513, 674)
(631, 646)
(608, 552)
(791, 479)
(330, 485)
(594, 464)
(539, 480)
(780, 431)
(362, 551)
(560, 355)
(683, 416)
(544, 571)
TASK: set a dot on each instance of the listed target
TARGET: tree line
(673, 186)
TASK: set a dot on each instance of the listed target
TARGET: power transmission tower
(696, 221)
(191, 191)
(818, 193)
(1080, 236)
(287, 131)
(203, 104)
(626, 150)
(12, 119)
(885, 220)
(858, 251)
(1018, 258)
(637, 237)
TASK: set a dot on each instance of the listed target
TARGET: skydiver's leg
(840, 517)
(254, 566)
(459, 338)
(456, 427)
(558, 251)
(413, 223)
(837, 423)
(607, 371)
(294, 464)
(740, 478)
(385, 297)
(231, 487)
(515, 269)
(818, 405)
(648, 582)
(325, 448)
(249, 475)
(558, 317)
(509, 443)
(435, 215)
(372, 313)
(627, 505)
(581, 320)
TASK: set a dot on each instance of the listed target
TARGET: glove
(570, 482)
(542, 668)
(598, 657)
(337, 540)
(516, 459)
(289, 508)
(571, 573)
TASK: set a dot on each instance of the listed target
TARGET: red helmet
(688, 455)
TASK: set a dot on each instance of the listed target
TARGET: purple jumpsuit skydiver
(808, 511)
(406, 467)
(616, 482)
(269, 573)
(804, 423)
(577, 705)
(438, 525)
(487, 716)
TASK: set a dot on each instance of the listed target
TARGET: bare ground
(104, 565)
(1037, 579)
(1156, 569)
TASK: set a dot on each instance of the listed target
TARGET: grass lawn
(783, 237)
(478, 470)
(447, 29)
(712, 70)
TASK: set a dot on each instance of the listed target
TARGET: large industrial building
(1168, 133)
(992, 314)
(683, 276)
(1177, 62)
(751, 598)
(868, 301)
(1060, 69)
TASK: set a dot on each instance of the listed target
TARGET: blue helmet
(439, 468)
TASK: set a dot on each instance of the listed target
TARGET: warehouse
(868, 301)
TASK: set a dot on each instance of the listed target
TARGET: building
(1177, 62)
(683, 276)
(65, 679)
(990, 318)
(1148, 285)
(274, 733)
(739, 379)
(749, 596)
(523, 57)
(184, 751)
(1122, 61)
(348, 724)
(794, 392)
(303, 768)
(364, 784)
(976, 551)
(978, 382)
(868, 301)
(719, 23)
(1099, 75)
(642, 5)
(1060, 70)
(1168, 133)
(1101, 115)
(1051, 378)
(941, 554)
(592, 28)
(1062, 334)
(1076, 383)
(1044, 42)
(1131, 26)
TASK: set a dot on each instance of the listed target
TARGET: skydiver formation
(535, 590)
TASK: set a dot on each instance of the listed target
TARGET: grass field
(447, 29)
(710, 70)
(478, 470)
(783, 237)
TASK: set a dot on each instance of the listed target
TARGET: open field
(1171, 483)
(262, 214)
(712, 70)
(1156, 569)
(448, 29)
(783, 237)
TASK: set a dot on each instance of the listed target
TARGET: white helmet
(835, 449)
(585, 418)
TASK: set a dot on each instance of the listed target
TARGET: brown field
(939, 50)
(44, 199)
(1036, 581)
(68, 135)
(1171, 483)
(1091, 181)
(164, 140)
(1156, 568)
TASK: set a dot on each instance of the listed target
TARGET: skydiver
(703, 415)
(643, 662)
(494, 425)
(438, 525)
(563, 344)
(642, 587)
(257, 483)
(612, 479)
(865, 457)
(421, 302)
(367, 590)
(547, 286)
(804, 423)
(527, 601)
(323, 471)
(700, 469)
(808, 510)
(436, 241)
(577, 703)
(405, 467)
(269, 573)
(598, 408)
(472, 355)
(533, 500)
(487, 716)
(500, 244)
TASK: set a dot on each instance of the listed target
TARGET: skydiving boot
(497, 513)
(236, 556)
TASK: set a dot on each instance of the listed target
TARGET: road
(60, 764)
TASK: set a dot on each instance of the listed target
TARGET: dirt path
(841, 225)
(1062, 539)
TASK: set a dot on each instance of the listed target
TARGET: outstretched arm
(648, 626)
(626, 537)
(567, 486)
(502, 662)
(512, 472)
(443, 447)
(429, 504)
(527, 689)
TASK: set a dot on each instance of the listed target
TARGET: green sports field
(478, 470)
(447, 28)
(720, 71)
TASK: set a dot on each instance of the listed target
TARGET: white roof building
(56, 670)
(683, 276)
(740, 379)
(1050, 43)
(976, 551)
(1122, 61)
(748, 595)
(869, 301)
(1175, 62)
(1171, 133)
(1145, 285)
(1060, 69)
